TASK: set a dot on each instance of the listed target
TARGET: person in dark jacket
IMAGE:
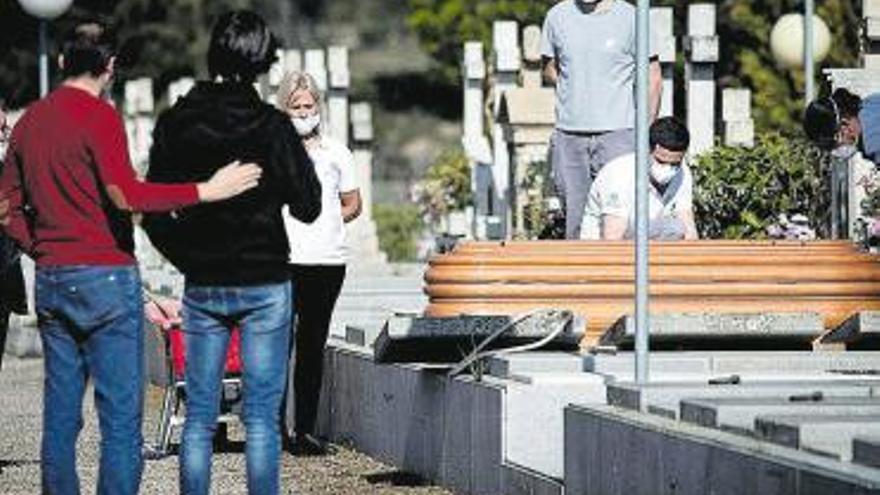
(13, 298)
(233, 255)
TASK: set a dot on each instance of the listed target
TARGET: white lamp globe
(787, 40)
(45, 9)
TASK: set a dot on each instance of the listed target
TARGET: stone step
(739, 362)
(828, 435)
(664, 398)
(738, 414)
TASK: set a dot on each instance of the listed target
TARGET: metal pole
(641, 246)
(809, 65)
(44, 59)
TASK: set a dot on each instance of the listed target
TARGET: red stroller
(166, 364)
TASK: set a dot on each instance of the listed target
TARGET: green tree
(444, 25)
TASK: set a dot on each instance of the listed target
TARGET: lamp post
(793, 39)
(44, 10)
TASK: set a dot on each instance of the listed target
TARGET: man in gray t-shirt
(589, 52)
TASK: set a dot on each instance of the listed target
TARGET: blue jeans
(91, 325)
(263, 313)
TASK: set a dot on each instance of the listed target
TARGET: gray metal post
(643, 34)
(809, 65)
(44, 59)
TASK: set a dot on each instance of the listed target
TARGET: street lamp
(790, 41)
(44, 10)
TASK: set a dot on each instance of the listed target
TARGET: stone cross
(505, 36)
(531, 75)
(701, 46)
(474, 141)
(663, 43)
(362, 142)
(316, 65)
(871, 31)
(736, 112)
(293, 61)
(337, 94)
(362, 237)
(139, 121)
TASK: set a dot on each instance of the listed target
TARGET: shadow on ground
(395, 478)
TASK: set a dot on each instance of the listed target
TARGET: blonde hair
(295, 81)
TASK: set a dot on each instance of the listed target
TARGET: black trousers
(315, 291)
(4, 328)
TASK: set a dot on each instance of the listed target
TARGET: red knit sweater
(71, 148)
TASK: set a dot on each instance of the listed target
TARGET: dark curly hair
(88, 48)
(670, 133)
(242, 47)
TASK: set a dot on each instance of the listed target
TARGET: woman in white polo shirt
(318, 250)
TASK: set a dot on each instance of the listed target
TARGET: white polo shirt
(613, 193)
(322, 242)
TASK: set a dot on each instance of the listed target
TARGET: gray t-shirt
(597, 61)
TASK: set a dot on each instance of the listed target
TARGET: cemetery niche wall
(509, 111)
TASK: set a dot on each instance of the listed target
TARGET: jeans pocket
(103, 298)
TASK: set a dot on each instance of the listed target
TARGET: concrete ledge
(509, 365)
(744, 363)
(517, 480)
(738, 414)
(866, 450)
(446, 431)
(746, 331)
(611, 451)
(664, 398)
(828, 435)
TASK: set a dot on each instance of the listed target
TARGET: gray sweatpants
(576, 159)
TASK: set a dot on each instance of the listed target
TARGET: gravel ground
(342, 472)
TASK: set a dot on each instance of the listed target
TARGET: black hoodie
(240, 241)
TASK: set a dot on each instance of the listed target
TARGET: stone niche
(527, 117)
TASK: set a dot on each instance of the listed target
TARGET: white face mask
(306, 125)
(662, 173)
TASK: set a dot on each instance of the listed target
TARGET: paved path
(344, 472)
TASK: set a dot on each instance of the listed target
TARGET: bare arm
(655, 93)
(551, 70)
(613, 227)
(690, 226)
(351, 205)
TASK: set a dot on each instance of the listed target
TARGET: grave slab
(664, 398)
(738, 414)
(414, 339)
(723, 363)
(614, 451)
(684, 329)
(828, 435)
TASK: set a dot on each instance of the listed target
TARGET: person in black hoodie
(13, 298)
(234, 254)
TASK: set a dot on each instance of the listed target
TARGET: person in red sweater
(67, 195)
